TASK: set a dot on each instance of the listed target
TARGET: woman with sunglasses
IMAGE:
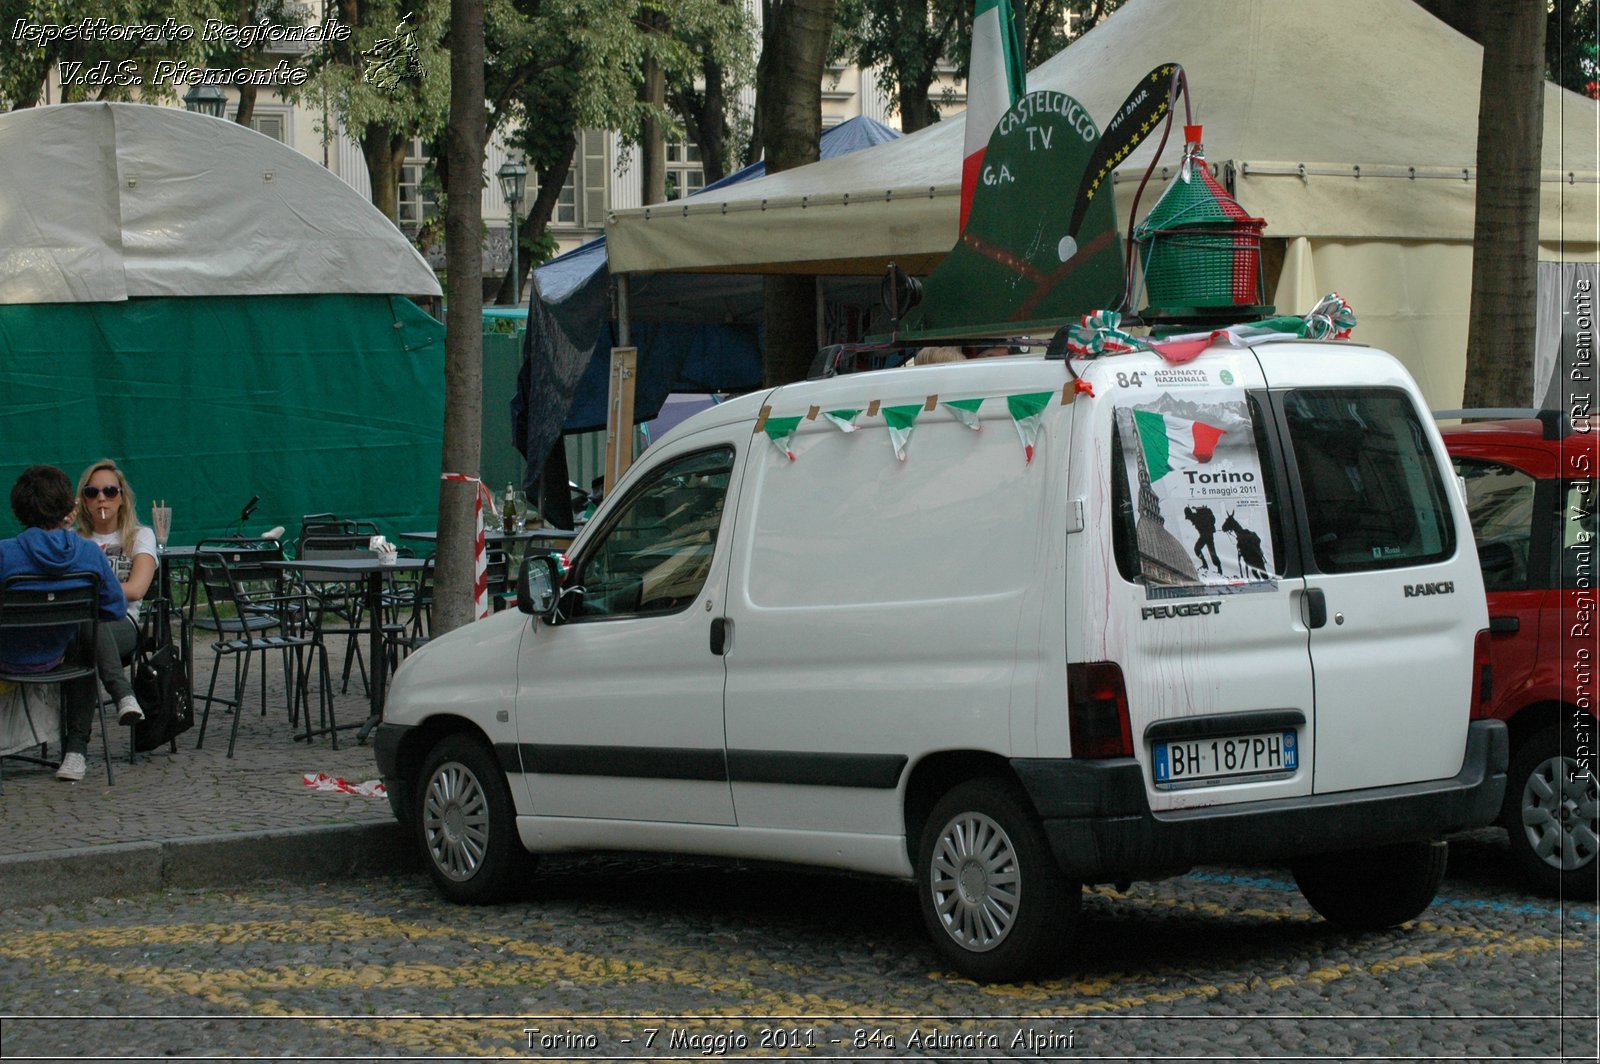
(107, 518)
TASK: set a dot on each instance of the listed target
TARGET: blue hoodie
(57, 552)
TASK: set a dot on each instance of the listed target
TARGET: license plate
(1197, 762)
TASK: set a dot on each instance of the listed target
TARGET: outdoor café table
(372, 572)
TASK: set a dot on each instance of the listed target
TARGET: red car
(1531, 486)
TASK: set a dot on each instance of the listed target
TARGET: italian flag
(994, 83)
(1169, 440)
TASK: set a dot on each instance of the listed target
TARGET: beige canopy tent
(1350, 125)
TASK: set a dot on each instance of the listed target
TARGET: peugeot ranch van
(1000, 627)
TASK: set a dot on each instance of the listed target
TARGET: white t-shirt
(144, 542)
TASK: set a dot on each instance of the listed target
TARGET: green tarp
(316, 403)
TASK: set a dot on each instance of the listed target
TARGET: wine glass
(161, 520)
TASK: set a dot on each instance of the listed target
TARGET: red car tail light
(1097, 710)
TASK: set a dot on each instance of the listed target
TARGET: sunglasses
(110, 491)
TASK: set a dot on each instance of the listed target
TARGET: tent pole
(624, 330)
(619, 407)
(822, 315)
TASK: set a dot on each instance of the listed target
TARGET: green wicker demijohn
(1200, 251)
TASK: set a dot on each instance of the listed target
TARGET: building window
(417, 201)
(566, 212)
(685, 175)
(271, 124)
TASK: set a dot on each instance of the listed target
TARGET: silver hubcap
(455, 821)
(1559, 809)
(976, 883)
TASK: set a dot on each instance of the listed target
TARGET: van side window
(1373, 495)
(1500, 501)
(656, 553)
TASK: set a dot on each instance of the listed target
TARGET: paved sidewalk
(195, 817)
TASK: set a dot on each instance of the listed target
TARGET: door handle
(1505, 625)
(1316, 608)
(721, 629)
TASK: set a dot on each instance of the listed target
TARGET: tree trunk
(247, 93)
(384, 150)
(1505, 232)
(463, 346)
(789, 112)
(652, 132)
(652, 136)
(247, 106)
(916, 110)
(712, 133)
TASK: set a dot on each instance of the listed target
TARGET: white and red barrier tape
(480, 561)
(321, 781)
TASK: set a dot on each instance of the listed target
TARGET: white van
(1001, 627)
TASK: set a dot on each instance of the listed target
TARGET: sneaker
(72, 768)
(128, 711)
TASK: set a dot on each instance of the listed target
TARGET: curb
(335, 851)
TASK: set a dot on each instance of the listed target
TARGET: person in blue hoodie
(42, 500)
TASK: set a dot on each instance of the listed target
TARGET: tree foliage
(720, 41)
(383, 117)
(905, 41)
(28, 62)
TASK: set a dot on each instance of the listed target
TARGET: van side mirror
(539, 586)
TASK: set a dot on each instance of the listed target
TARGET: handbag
(159, 685)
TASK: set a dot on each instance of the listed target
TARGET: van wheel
(1369, 890)
(1551, 813)
(466, 824)
(992, 895)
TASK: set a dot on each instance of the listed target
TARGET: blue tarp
(694, 332)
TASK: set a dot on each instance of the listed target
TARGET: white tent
(219, 313)
(105, 201)
(1350, 125)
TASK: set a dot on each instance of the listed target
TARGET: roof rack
(1556, 427)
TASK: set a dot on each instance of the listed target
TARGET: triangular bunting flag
(966, 412)
(781, 430)
(1027, 411)
(902, 420)
(843, 420)
(1167, 440)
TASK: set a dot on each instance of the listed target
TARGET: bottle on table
(508, 512)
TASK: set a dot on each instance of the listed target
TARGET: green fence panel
(315, 403)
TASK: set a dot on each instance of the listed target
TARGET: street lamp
(205, 100)
(513, 182)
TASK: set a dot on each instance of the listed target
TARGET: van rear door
(1202, 606)
(1394, 598)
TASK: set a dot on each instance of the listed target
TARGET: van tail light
(1482, 677)
(1097, 710)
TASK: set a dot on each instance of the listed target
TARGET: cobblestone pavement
(197, 792)
(649, 959)
(646, 959)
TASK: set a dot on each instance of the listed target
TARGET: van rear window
(1373, 495)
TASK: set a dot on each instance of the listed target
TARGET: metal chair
(253, 609)
(31, 601)
(341, 598)
(410, 607)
